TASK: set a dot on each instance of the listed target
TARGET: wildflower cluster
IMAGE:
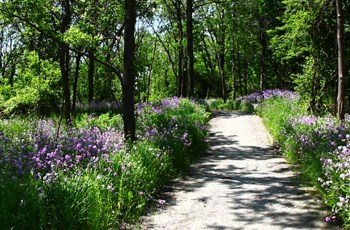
(87, 176)
(101, 106)
(267, 94)
(168, 124)
(43, 153)
(321, 147)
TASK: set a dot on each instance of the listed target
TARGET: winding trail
(240, 184)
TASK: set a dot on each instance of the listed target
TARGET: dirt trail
(240, 184)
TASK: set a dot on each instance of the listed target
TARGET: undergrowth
(318, 146)
(88, 177)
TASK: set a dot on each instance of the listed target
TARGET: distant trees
(306, 43)
(130, 51)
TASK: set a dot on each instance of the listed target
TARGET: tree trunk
(1, 55)
(180, 77)
(221, 62)
(222, 75)
(239, 73)
(245, 77)
(148, 87)
(189, 9)
(64, 61)
(263, 43)
(91, 71)
(341, 69)
(184, 78)
(75, 84)
(128, 83)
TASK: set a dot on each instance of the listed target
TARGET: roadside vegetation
(318, 145)
(88, 176)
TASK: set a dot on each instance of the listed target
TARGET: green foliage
(302, 42)
(35, 89)
(78, 38)
(276, 113)
(103, 121)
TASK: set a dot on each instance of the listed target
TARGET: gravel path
(240, 184)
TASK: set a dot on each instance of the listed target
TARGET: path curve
(240, 184)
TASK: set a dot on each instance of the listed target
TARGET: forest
(56, 55)
(96, 77)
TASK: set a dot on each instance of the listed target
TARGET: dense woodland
(55, 54)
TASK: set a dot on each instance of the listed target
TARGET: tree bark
(221, 60)
(64, 61)
(1, 54)
(263, 43)
(341, 67)
(148, 87)
(180, 77)
(189, 10)
(91, 71)
(128, 83)
(75, 84)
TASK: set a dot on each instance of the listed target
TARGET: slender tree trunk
(341, 67)
(209, 64)
(221, 59)
(91, 71)
(239, 73)
(233, 56)
(245, 77)
(109, 76)
(151, 71)
(180, 77)
(233, 78)
(263, 43)
(12, 73)
(184, 85)
(129, 75)
(189, 10)
(221, 62)
(64, 61)
(75, 83)
(1, 54)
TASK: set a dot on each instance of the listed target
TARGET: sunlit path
(240, 184)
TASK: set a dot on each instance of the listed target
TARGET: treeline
(54, 54)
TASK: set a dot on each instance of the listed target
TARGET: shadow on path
(259, 185)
